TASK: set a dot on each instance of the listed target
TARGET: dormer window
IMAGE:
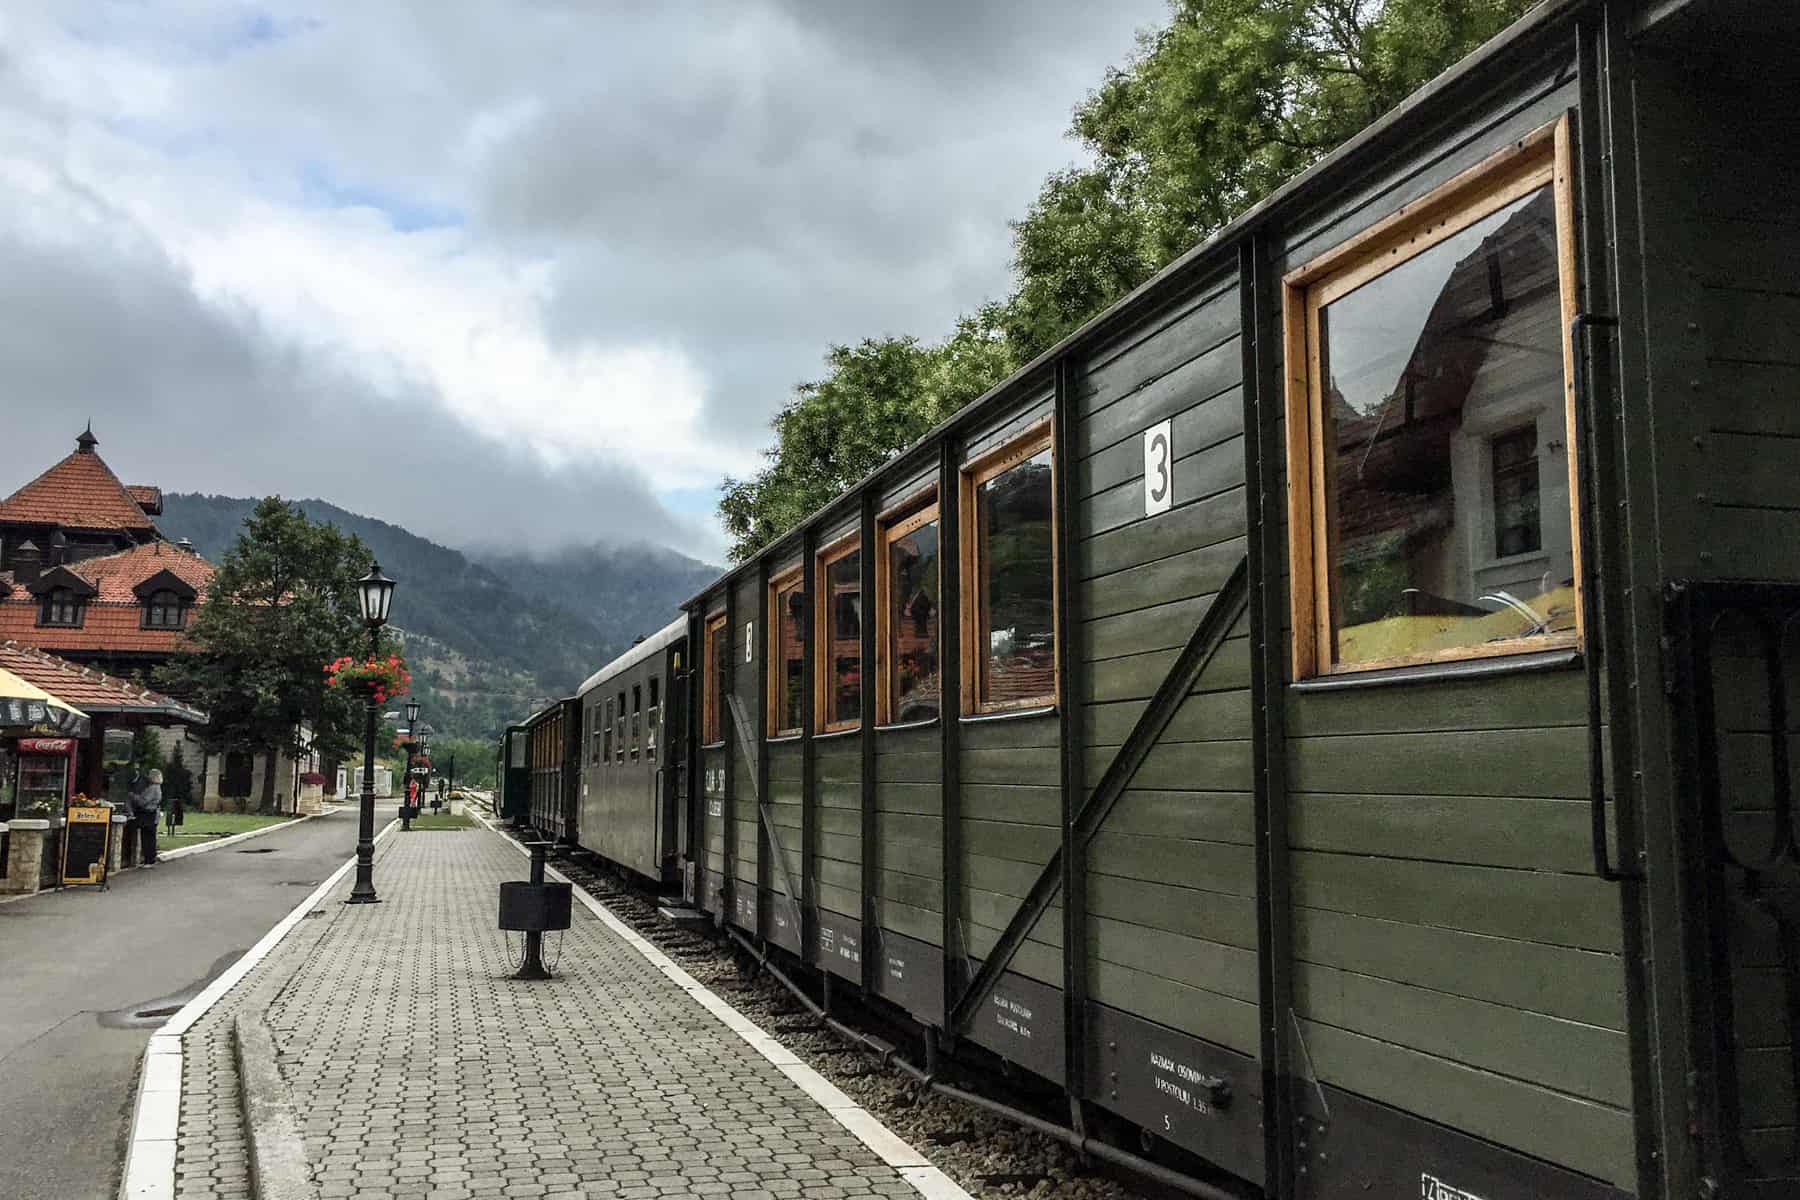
(62, 607)
(165, 609)
(166, 598)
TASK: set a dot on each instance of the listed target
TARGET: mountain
(629, 590)
(489, 637)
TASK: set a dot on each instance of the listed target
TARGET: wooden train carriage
(632, 768)
(1262, 716)
(553, 747)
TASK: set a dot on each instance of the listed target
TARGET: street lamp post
(408, 795)
(376, 593)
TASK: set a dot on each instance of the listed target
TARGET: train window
(712, 724)
(637, 717)
(907, 619)
(838, 644)
(1009, 573)
(619, 731)
(650, 720)
(1433, 508)
(607, 742)
(787, 630)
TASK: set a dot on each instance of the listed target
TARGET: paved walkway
(418, 1069)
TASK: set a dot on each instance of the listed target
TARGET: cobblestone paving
(418, 1069)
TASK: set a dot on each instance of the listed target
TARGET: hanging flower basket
(379, 678)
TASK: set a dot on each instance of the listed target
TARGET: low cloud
(498, 273)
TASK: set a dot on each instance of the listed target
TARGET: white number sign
(749, 641)
(1159, 468)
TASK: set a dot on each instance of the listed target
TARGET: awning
(27, 710)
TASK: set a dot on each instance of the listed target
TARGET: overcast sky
(499, 270)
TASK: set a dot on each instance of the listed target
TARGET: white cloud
(590, 247)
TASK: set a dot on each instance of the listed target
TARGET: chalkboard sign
(84, 845)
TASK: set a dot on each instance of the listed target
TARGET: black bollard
(531, 908)
(533, 967)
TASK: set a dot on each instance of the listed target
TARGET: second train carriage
(1334, 711)
(633, 760)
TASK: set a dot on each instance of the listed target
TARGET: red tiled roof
(94, 692)
(80, 492)
(147, 498)
(106, 628)
(117, 574)
(114, 618)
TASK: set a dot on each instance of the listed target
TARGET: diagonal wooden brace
(742, 724)
(1215, 625)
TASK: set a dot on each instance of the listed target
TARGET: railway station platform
(408, 1064)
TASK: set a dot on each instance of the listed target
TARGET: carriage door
(1738, 653)
(672, 768)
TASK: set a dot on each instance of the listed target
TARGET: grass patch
(431, 823)
(206, 827)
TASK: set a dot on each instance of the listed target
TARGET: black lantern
(376, 591)
(412, 719)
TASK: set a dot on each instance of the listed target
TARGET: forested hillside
(488, 639)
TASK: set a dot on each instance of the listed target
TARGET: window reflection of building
(912, 691)
(841, 570)
(1448, 471)
(1015, 623)
(788, 606)
(712, 710)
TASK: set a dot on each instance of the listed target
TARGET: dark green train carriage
(1335, 711)
(631, 763)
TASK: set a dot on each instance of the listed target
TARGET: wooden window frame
(1028, 444)
(903, 519)
(822, 639)
(712, 716)
(606, 738)
(1541, 157)
(793, 577)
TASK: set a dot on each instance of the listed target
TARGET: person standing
(146, 806)
(176, 813)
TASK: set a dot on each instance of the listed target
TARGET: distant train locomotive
(1334, 712)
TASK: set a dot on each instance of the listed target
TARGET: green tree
(146, 752)
(282, 605)
(1230, 100)
(474, 760)
(178, 781)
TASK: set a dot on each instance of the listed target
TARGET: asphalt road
(78, 966)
